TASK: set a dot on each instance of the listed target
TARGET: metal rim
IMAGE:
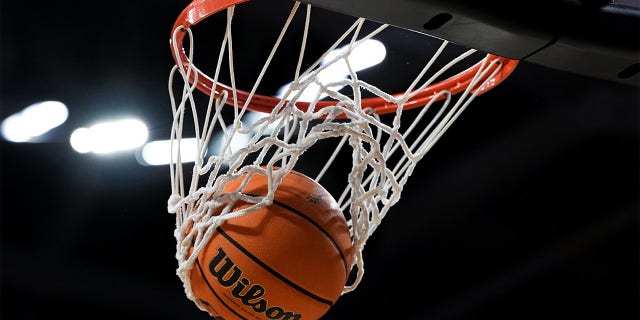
(199, 10)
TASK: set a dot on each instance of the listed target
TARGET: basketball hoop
(389, 132)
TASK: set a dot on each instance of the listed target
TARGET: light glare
(109, 137)
(366, 54)
(34, 121)
(157, 152)
(226, 146)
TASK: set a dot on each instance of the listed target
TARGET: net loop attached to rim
(383, 137)
(199, 10)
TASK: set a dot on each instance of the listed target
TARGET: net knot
(173, 203)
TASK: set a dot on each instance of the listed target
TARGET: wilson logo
(229, 275)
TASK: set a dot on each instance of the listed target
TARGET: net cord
(278, 140)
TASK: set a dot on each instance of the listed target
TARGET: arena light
(366, 55)
(109, 137)
(224, 145)
(159, 152)
(34, 121)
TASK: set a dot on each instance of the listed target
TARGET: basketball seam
(272, 271)
(204, 277)
(318, 226)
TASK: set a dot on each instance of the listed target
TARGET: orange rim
(199, 10)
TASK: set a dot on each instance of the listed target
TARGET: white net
(384, 148)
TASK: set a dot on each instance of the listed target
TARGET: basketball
(290, 260)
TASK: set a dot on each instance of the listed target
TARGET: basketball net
(386, 134)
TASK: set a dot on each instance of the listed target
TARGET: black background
(527, 208)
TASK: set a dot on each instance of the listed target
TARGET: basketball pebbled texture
(289, 260)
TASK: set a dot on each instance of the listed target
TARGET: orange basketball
(288, 261)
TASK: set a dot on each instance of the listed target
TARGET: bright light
(365, 55)
(34, 121)
(157, 153)
(81, 141)
(108, 137)
(251, 117)
(238, 141)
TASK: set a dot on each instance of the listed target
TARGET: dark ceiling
(526, 209)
